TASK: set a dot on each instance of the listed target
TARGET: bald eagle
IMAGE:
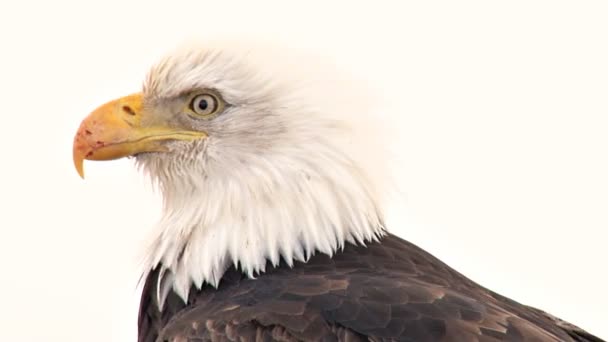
(273, 182)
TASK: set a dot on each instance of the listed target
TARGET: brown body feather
(387, 291)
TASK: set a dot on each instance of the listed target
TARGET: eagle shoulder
(387, 291)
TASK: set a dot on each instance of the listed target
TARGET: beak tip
(79, 164)
(80, 170)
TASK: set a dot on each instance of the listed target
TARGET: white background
(502, 110)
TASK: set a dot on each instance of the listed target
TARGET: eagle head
(260, 154)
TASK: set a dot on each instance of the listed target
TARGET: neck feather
(289, 209)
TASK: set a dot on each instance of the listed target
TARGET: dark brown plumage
(387, 291)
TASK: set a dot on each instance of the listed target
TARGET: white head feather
(295, 165)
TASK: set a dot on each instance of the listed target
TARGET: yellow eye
(205, 104)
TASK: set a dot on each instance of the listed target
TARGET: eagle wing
(388, 291)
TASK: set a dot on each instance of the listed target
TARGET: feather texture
(388, 291)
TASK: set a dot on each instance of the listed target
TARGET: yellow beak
(122, 128)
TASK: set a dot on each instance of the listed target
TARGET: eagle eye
(205, 104)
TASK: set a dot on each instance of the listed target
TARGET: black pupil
(203, 104)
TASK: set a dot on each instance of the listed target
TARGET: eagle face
(242, 116)
(259, 155)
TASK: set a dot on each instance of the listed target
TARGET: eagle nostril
(128, 110)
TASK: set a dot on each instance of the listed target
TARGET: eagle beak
(122, 128)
